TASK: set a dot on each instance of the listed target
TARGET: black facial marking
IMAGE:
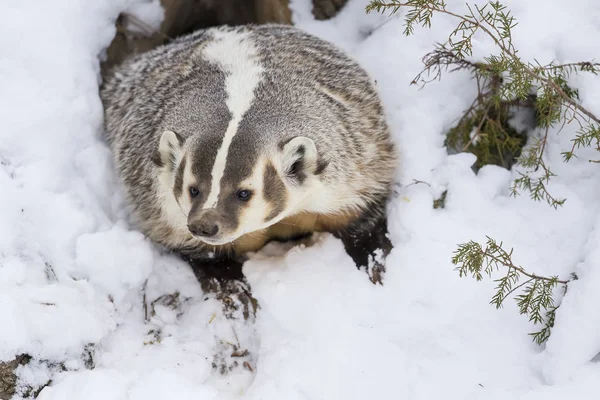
(202, 126)
(274, 191)
(178, 186)
(242, 157)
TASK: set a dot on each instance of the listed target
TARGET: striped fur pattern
(232, 136)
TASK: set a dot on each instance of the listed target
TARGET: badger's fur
(229, 137)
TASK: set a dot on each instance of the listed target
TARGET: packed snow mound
(73, 272)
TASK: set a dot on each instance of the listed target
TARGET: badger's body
(229, 137)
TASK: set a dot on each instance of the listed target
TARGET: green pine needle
(534, 297)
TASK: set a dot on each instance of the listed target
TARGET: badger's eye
(194, 191)
(244, 195)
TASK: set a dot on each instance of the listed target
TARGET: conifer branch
(504, 81)
(471, 254)
(509, 82)
(536, 293)
(422, 11)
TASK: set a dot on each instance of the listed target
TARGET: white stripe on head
(236, 55)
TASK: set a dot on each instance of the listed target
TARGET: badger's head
(226, 190)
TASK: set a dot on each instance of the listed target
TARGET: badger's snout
(204, 229)
(204, 224)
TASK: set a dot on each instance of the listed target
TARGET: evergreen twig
(513, 81)
(536, 293)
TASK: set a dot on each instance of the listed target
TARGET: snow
(73, 272)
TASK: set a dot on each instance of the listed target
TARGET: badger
(230, 137)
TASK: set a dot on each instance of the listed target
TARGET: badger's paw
(223, 279)
(369, 248)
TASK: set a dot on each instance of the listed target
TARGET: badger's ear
(299, 158)
(169, 149)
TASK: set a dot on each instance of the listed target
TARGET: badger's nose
(204, 228)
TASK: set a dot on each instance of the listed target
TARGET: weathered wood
(185, 16)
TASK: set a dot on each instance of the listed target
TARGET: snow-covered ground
(74, 273)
